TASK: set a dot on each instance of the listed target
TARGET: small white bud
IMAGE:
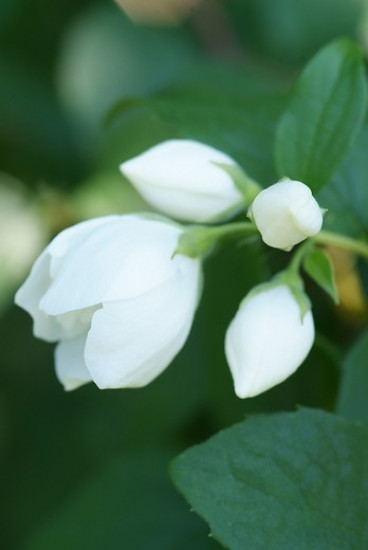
(286, 213)
(181, 179)
(267, 340)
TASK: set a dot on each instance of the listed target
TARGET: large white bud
(114, 296)
(286, 213)
(181, 178)
(267, 340)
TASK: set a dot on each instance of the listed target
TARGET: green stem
(200, 240)
(342, 241)
(299, 256)
(232, 230)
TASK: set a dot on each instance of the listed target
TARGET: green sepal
(196, 242)
(290, 279)
(296, 285)
(201, 240)
(246, 185)
(319, 267)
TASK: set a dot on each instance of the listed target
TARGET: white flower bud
(180, 178)
(111, 293)
(286, 213)
(267, 340)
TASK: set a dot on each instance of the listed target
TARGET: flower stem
(359, 248)
(233, 230)
(200, 240)
(299, 256)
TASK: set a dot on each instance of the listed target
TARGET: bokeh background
(84, 87)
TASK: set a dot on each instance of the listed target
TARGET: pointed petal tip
(73, 384)
(122, 167)
(128, 168)
(246, 392)
(17, 298)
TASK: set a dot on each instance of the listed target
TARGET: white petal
(70, 365)
(132, 341)
(71, 238)
(181, 179)
(267, 341)
(121, 259)
(39, 280)
(309, 217)
(30, 293)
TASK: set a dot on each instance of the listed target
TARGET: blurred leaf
(353, 397)
(290, 32)
(240, 125)
(289, 480)
(324, 115)
(237, 122)
(106, 193)
(9, 9)
(23, 235)
(130, 505)
(346, 196)
(105, 57)
(144, 131)
(319, 267)
(35, 142)
(64, 438)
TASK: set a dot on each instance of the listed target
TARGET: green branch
(359, 248)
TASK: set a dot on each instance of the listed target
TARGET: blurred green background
(82, 88)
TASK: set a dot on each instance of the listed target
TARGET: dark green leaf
(284, 481)
(325, 113)
(319, 267)
(353, 398)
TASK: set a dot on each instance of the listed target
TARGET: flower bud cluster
(118, 295)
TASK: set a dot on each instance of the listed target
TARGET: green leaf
(289, 480)
(346, 196)
(353, 397)
(130, 505)
(324, 115)
(319, 267)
